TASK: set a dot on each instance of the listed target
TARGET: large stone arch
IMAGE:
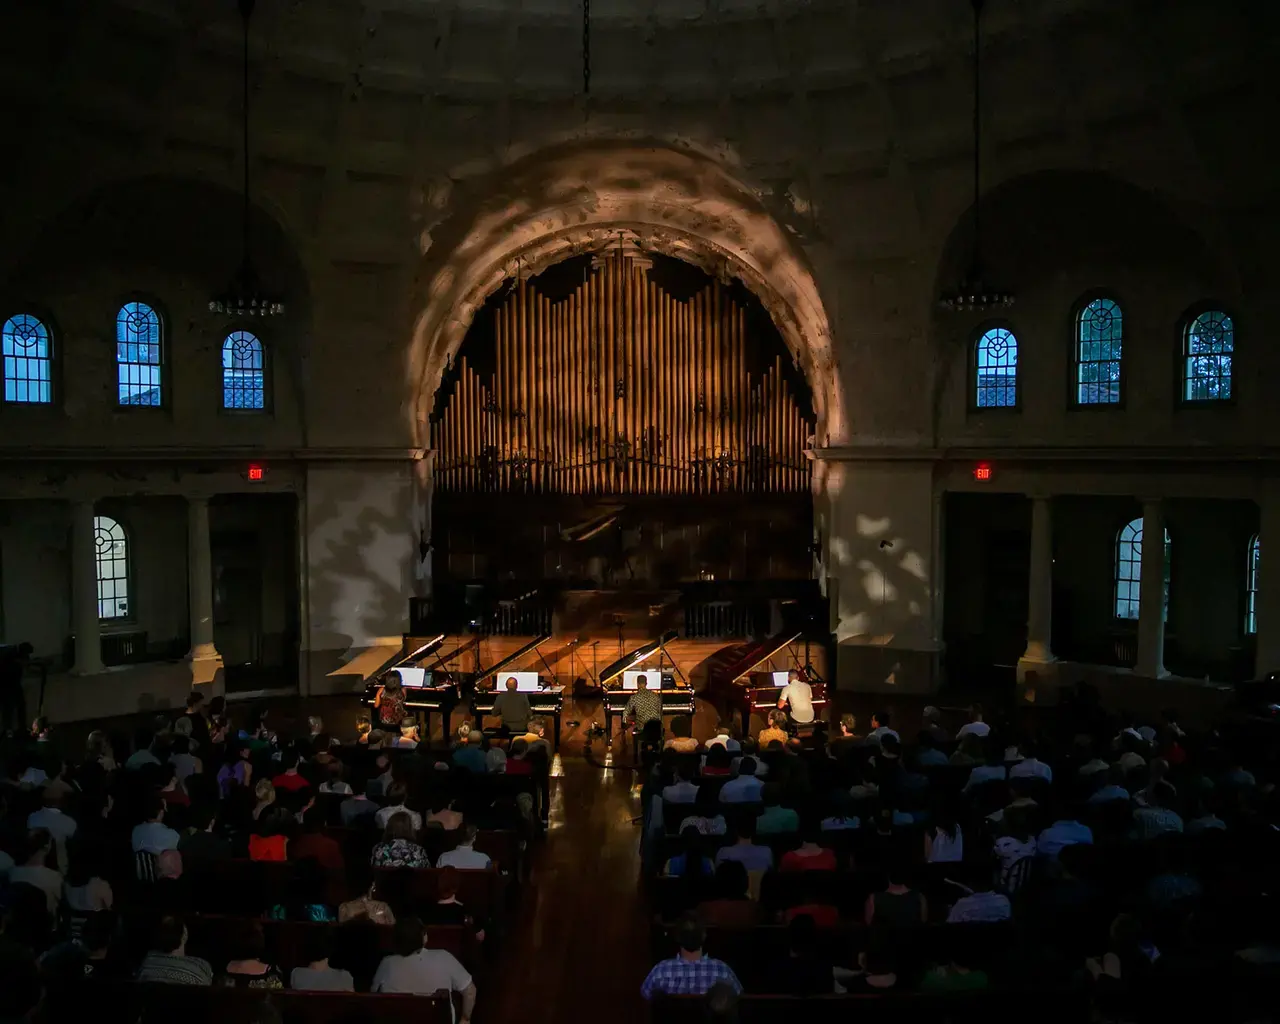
(566, 200)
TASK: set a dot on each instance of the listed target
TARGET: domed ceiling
(863, 103)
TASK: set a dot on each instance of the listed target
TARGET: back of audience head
(688, 934)
(399, 826)
(747, 766)
(848, 724)
(407, 936)
(718, 756)
(732, 881)
(170, 934)
(682, 727)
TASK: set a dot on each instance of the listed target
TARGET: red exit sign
(255, 473)
(982, 472)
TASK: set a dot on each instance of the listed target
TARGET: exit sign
(982, 472)
(255, 473)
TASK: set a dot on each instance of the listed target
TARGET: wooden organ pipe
(554, 421)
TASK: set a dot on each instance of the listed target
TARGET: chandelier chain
(586, 48)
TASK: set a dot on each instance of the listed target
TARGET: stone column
(204, 657)
(1150, 661)
(84, 591)
(1033, 665)
(1267, 602)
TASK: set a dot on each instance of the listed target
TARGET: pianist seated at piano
(797, 698)
(513, 709)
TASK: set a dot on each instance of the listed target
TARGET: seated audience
(318, 976)
(744, 849)
(682, 741)
(152, 835)
(443, 814)
(167, 963)
(805, 970)
(731, 905)
(314, 844)
(398, 847)
(706, 816)
(248, 967)
(1065, 831)
(693, 862)
(464, 856)
(880, 728)
(367, 907)
(688, 973)
(1158, 817)
(975, 726)
(264, 794)
(270, 841)
(357, 809)
(683, 788)
(776, 731)
(397, 794)
(809, 855)
(518, 762)
(51, 817)
(408, 738)
(745, 788)
(290, 780)
(724, 738)
(776, 818)
(897, 906)
(448, 909)
(415, 969)
(89, 956)
(944, 840)
(980, 907)
(34, 870)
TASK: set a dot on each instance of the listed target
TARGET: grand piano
(677, 698)
(546, 701)
(436, 694)
(746, 688)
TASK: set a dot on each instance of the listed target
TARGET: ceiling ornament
(974, 294)
(244, 296)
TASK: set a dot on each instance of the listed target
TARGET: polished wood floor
(578, 942)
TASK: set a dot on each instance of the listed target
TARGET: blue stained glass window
(243, 374)
(1207, 351)
(27, 348)
(1099, 336)
(138, 355)
(996, 370)
(1129, 570)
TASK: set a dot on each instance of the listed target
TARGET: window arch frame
(162, 366)
(45, 317)
(1252, 559)
(232, 410)
(979, 333)
(126, 575)
(1118, 563)
(1185, 323)
(1073, 381)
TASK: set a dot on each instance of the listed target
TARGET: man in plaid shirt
(688, 973)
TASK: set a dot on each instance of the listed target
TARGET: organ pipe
(620, 388)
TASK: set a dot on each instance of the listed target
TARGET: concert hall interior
(734, 344)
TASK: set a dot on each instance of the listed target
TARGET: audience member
(464, 855)
(167, 963)
(413, 968)
(688, 973)
(399, 848)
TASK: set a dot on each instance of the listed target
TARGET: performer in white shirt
(797, 698)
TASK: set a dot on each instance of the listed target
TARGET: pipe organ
(621, 388)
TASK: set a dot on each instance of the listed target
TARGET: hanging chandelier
(974, 294)
(245, 296)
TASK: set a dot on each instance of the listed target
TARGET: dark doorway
(254, 542)
(988, 566)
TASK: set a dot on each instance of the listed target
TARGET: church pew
(1065, 1007)
(214, 936)
(129, 1002)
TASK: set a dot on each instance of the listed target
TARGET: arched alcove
(562, 202)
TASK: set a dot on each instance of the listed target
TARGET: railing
(527, 615)
(725, 620)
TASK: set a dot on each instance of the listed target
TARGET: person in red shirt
(809, 857)
(314, 844)
(719, 762)
(289, 780)
(518, 762)
(271, 841)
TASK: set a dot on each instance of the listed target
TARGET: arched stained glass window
(111, 550)
(1251, 590)
(243, 373)
(1099, 336)
(1129, 570)
(1208, 348)
(996, 370)
(138, 354)
(27, 347)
